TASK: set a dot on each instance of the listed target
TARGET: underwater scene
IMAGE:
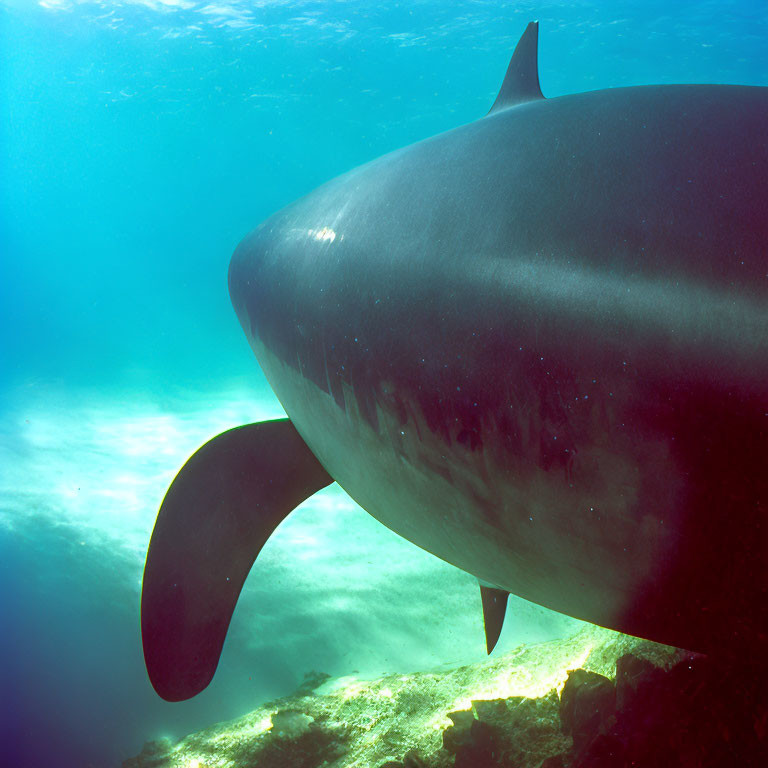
(140, 142)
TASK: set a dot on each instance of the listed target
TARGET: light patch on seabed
(340, 591)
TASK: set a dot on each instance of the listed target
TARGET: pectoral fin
(494, 607)
(215, 518)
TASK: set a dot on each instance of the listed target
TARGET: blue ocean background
(139, 142)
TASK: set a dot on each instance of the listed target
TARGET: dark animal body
(535, 346)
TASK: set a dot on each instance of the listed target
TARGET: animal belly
(572, 535)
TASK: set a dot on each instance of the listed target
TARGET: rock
(586, 704)
(473, 742)
(458, 735)
(413, 759)
(290, 724)
(312, 680)
(302, 745)
(704, 712)
(383, 722)
(556, 761)
(482, 749)
(153, 753)
(517, 731)
(632, 673)
(528, 729)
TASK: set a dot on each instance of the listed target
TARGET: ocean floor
(597, 699)
(423, 719)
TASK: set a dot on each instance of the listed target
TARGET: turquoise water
(139, 141)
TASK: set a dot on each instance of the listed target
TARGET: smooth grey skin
(221, 508)
(535, 346)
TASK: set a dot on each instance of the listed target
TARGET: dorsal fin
(521, 83)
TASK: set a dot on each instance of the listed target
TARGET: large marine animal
(536, 346)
